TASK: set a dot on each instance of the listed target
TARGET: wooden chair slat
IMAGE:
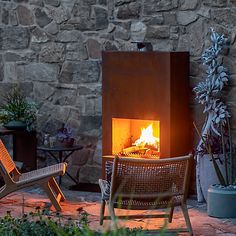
(43, 177)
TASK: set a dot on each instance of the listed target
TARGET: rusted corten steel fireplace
(143, 91)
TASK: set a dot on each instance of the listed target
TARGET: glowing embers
(136, 138)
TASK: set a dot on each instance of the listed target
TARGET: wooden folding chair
(147, 184)
(43, 177)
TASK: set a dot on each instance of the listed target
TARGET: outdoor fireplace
(145, 92)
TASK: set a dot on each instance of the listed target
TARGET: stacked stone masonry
(52, 49)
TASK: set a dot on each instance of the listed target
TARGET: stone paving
(90, 202)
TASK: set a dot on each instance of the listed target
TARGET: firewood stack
(148, 151)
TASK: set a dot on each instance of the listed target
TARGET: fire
(147, 138)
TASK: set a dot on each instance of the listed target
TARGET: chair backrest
(7, 165)
(145, 177)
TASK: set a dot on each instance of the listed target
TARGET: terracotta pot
(68, 142)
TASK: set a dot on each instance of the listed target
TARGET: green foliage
(43, 224)
(16, 107)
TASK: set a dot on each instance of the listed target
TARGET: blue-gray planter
(221, 201)
(15, 125)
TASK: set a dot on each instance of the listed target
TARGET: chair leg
(56, 188)
(102, 210)
(113, 216)
(4, 191)
(171, 214)
(186, 217)
(55, 202)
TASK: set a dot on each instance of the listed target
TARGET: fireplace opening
(136, 138)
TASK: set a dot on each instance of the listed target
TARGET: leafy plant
(15, 107)
(41, 223)
(215, 136)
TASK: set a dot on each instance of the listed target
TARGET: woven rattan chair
(147, 184)
(44, 178)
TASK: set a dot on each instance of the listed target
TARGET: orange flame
(147, 138)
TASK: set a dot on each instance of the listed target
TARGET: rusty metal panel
(148, 86)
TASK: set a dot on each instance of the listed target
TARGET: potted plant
(17, 112)
(215, 136)
(66, 136)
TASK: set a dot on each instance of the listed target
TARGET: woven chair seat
(149, 204)
(54, 170)
(152, 203)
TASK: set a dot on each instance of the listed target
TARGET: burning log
(151, 147)
(151, 152)
(134, 149)
(147, 151)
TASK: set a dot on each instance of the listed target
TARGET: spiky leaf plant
(16, 107)
(208, 93)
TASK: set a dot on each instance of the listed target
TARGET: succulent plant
(216, 126)
(208, 92)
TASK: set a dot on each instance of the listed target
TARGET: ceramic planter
(15, 125)
(221, 201)
(207, 174)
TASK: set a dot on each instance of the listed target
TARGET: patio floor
(90, 202)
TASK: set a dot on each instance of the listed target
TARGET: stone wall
(52, 48)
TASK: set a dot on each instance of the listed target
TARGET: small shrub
(41, 223)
